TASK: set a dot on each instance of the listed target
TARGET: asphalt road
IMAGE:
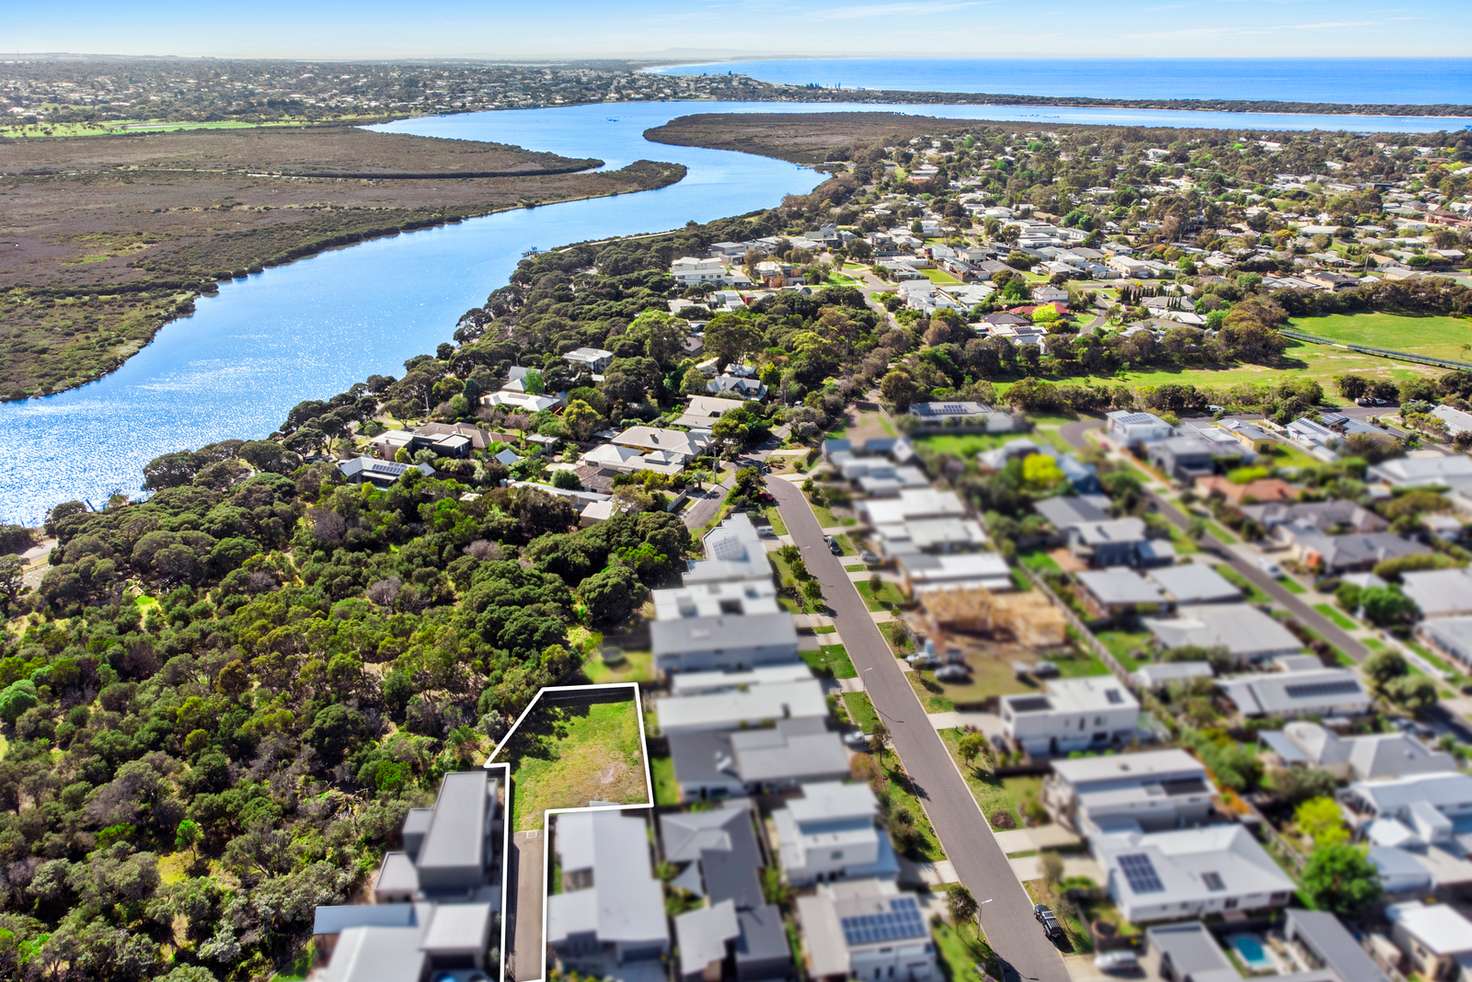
(1306, 615)
(1006, 909)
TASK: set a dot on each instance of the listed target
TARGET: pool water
(1249, 948)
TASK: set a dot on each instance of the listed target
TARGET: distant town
(1040, 552)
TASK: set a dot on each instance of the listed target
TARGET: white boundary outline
(548, 813)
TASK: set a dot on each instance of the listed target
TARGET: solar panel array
(1140, 873)
(1309, 690)
(902, 921)
(1213, 882)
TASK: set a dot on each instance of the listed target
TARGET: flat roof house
(1244, 632)
(964, 416)
(1190, 873)
(594, 360)
(732, 598)
(725, 642)
(1148, 791)
(733, 551)
(1071, 714)
(436, 903)
(738, 934)
(866, 929)
(1188, 457)
(832, 833)
(610, 909)
(1133, 430)
(735, 708)
(1435, 938)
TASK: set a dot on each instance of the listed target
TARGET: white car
(1117, 962)
(1270, 566)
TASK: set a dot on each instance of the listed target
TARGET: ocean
(1353, 81)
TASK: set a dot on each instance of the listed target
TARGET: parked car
(1118, 962)
(1270, 566)
(1045, 670)
(952, 673)
(923, 659)
(833, 545)
(856, 739)
(1045, 916)
(954, 655)
(868, 558)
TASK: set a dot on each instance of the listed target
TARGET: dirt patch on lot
(103, 240)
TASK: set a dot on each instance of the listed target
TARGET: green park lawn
(1435, 337)
(566, 756)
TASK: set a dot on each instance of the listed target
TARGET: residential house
(1071, 714)
(1193, 583)
(437, 903)
(702, 412)
(737, 387)
(730, 598)
(738, 934)
(910, 505)
(1119, 590)
(1116, 542)
(609, 911)
(1456, 421)
(1245, 633)
(594, 360)
(1439, 592)
(716, 764)
(1133, 430)
(1412, 827)
(1364, 757)
(1155, 676)
(1190, 873)
(733, 551)
(1347, 553)
(1284, 521)
(867, 930)
(1261, 490)
(1298, 691)
(968, 417)
(380, 473)
(1148, 791)
(442, 439)
(1064, 512)
(723, 641)
(1082, 478)
(730, 709)
(1452, 636)
(1435, 939)
(1453, 472)
(1191, 456)
(832, 832)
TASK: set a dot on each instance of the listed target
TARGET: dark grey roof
(457, 833)
(763, 938)
(1069, 510)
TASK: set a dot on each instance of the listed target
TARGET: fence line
(1380, 352)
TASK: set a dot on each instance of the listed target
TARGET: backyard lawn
(1125, 646)
(666, 789)
(637, 666)
(963, 445)
(1436, 337)
(567, 755)
(939, 276)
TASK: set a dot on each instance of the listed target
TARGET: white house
(1190, 873)
(1135, 429)
(610, 909)
(868, 930)
(690, 271)
(1148, 791)
(1071, 714)
(734, 708)
(593, 359)
(1308, 691)
(725, 642)
(832, 833)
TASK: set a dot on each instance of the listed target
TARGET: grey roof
(1356, 549)
(457, 833)
(455, 929)
(1192, 950)
(1243, 630)
(1119, 586)
(1115, 530)
(1066, 511)
(1452, 634)
(702, 935)
(377, 954)
(336, 918)
(1320, 515)
(396, 875)
(688, 835)
(793, 748)
(1321, 690)
(625, 902)
(1439, 592)
(689, 635)
(1191, 583)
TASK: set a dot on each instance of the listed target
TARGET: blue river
(312, 328)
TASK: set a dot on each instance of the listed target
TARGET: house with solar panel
(1302, 686)
(1184, 874)
(866, 929)
(379, 473)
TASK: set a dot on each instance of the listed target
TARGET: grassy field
(637, 666)
(993, 795)
(1125, 646)
(963, 445)
(860, 711)
(1436, 337)
(662, 773)
(939, 277)
(123, 127)
(887, 594)
(1320, 362)
(832, 658)
(565, 756)
(903, 798)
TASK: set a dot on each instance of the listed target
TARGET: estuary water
(314, 327)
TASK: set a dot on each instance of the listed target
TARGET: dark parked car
(833, 545)
(1045, 916)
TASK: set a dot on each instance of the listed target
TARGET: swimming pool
(1250, 948)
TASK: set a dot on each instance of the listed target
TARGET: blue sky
(652, 28)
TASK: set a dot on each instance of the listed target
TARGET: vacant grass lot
(831, 659)
(568, 756)
(1436, 337)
